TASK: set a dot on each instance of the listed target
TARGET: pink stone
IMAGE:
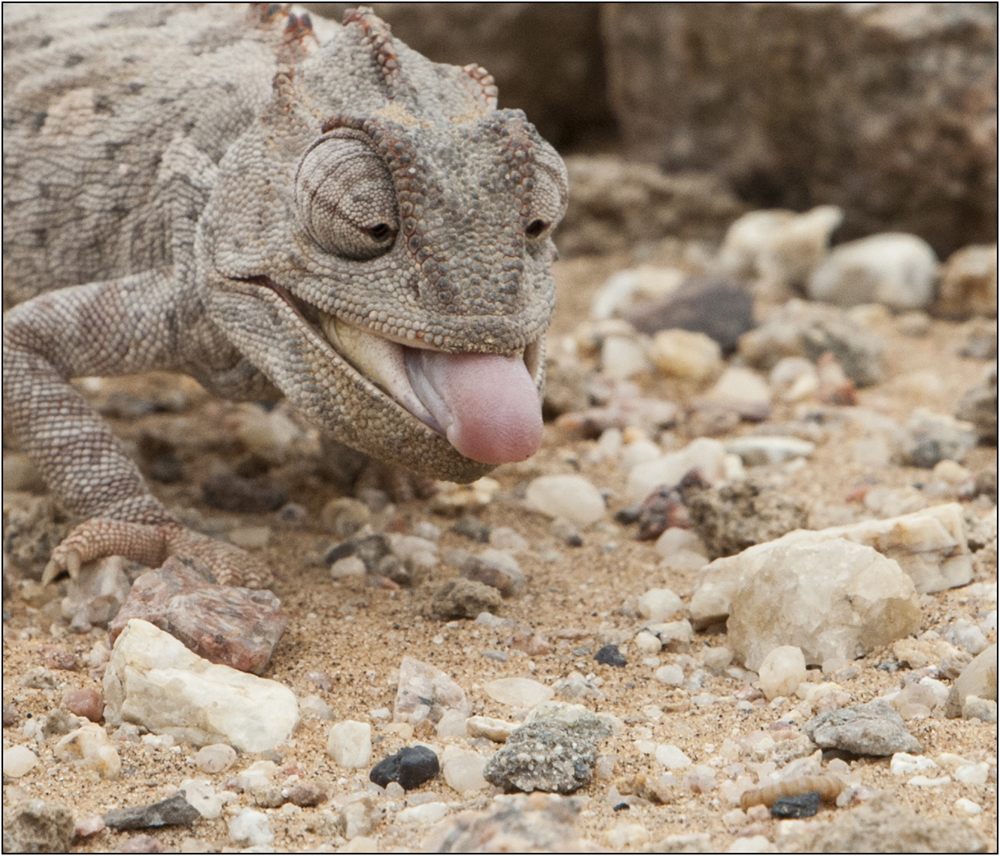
(88, 702)
(237, 627)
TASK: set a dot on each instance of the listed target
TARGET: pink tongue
(488, 406)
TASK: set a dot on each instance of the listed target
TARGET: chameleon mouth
(486, 405)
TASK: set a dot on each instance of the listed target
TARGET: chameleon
(274, 207)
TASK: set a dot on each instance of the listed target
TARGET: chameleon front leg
(109, 328)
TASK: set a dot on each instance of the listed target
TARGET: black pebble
(622, 806)
(609, 655)
(803, 805)
(410, 766)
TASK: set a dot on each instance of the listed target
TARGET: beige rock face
(835, 600)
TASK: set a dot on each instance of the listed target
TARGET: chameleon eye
(549, 194)
(346, 198)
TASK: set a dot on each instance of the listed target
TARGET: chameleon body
(273, 209)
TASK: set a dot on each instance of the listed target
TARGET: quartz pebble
(704, 454)
(463, 769)
(350, 744)
(18, 761)
(233, 626)
(430, 812)
(497, 730)
(518, 692)
(969, 283)
(202, 796)
(96, 596)
(215, 758)
(806, 592)
(658, 604)
(571, 498)
(90, 748)
(781, 671)
(686, 354)
(148, 665)
(672, 757)
(977, 680)
(251, 828)
(426, 692)
(756, 451)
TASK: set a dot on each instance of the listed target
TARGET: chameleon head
(396, 285)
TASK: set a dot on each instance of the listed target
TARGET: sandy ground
(358, 634)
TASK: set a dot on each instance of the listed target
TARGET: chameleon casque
(272, 209)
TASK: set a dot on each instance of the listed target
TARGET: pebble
(175, 810)
(835, 599)
(497, 730)
(977, 680)
(658, 604)
(20, 474)
(215, 758)
(452, 724)
(350, 744)
(929, 438)
(904, 764)
(874, 728)
(968, 807)
(454, 498)
(87, 702)
(978, 406)
(411, 766)
(609, 655)
(349, 566)
(671, 757)
(671, 675)
(430, 812)
(242, 496)
(251, 828)
(463, 598)
(544, 756)
(663, 509)
(343, 516)
(806, 329)
(463, 769)
(622, 357)
(18, 761)
(306, 795)
(969, 283)
(973, 774)
(894, 269)
(232, 626)
(979, 708)
(757, 451)
(781, 671)
(518, 692)
(202, 796)
(646, 643)
(37, 826)
(685, 354)
(90, 748)
(703, 454)
(965, 635)
(744, 389)
(314, 706)
(210, 703)
(568, 497)
(426, 692)
(497, 569)
(794, 379)
(360, 818)
(96, 596)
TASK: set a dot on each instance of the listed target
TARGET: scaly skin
(218, 193)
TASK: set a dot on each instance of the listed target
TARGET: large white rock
(571, 497)
(834, 600)
(931, 547)
(154, 681)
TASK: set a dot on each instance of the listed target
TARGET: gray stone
(425, 692)
(37, 826)
(875, 728)
(543, 756)
(978, 679)
(173, 811)
(885, 110)
(929, 438)
(462, 598)
(979, 406)
(969, 283)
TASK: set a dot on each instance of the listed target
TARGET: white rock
(201, 795)
(658, 604)
(463, 769)
(675, 539)
(973, 774)
(738, 385)
(672, 675)
(686, 354)
(424, 691)
(929, 782)
(250, 828)
(893, 269)
(216, 758)
(250, 537)
(622, 357)
(314, 706)
(755, 451)
(268, 434)
(968, 807)
(967, 636)
(781, 671)
(430, 812)
(419, 552)
(705, 454)
(452, 724)
(622, 286)
(646, 643)
(794, 379)
(572, 498)
(506, 539)
(18, 761)
(154, 681)
(350, 744)
(91, 748)
(753, 844)
(626, 836)
(518, 692)
(639, 452)
(497, 730)
(349, 566)
(831, 599)
(904, 764)
(672, 757)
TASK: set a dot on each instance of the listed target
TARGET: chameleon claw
(51, 571)
(73, 564)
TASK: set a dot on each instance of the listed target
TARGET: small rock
(622, 357)
(37, 826)
(904, 764)
(671, 757)
(96, 596)
(518, 692)
(452, 724)
(233, 626)
(982, 709)
(350, 744)
(894, 269)
(209, 703)
(18, 761)
(664, 509)
(343, 516)
(173, 811)
(744, 390)
(979, 406)
(425, 692)
(243, 496)
(462, 598)
(86, 702)
(969, 283)
(781, 671)
(802, 805)
(497, 730)
(11, 716)
(306, 795)
(496, 569)
(90, 748)
(251, 828)
(463, 769)
(215, 758)
(20, 474)
(658, 604)
(865, 729)
(757, 451)
(609, 655)
(141, 844)
(572, 498)
(360, 818)
(705, 455)
(680, 353)
(411, 766)
(430, 812)
(932, 437)
(671, 675)
(201, 796)
(455, 498)
(543, 756)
